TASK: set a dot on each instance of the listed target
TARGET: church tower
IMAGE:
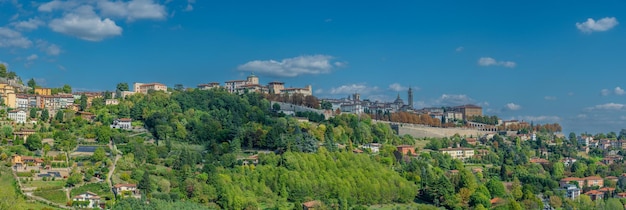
(411, 97)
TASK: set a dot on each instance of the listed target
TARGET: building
(567, 162)
(306, 91)
(20, 161)
(459, 152)
(7, 93)
(571, 191)
(312, 205)
(373, 147)
(111, 102)
(126, 190)
(275, 87)
(209, 86)
(43, 91)
(469, 110)
(595, 195)
(406, 149)
(354, 108)
(594, 181)
(21, 101)
(583, 182)
(91, 200)
(18, 116)
(122, 123)
(145, 87)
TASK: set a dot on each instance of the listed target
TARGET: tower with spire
(410, 97)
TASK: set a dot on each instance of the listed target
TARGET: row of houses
(251, 84)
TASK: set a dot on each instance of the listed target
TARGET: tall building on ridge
(410, 97)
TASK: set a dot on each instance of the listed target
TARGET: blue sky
(540, 61)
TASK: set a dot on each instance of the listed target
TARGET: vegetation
(57, 196)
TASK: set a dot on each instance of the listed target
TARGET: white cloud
(453, 100)
(619, 91)
(291, 67)
(190, 5)
(581, 116)
(59, 5)
(353, 88)
(607, 106)
(319, 91)
(489, 61)
(512, 106)
(605, 92)
(550, 98)
(341, 64)
(12, 38)
(591, 25)
(132, 10)
(32, 57)
(459, 49)
(540, 118)
(28, 25)
(48, 48)
(61, 67)
(397, 87)
(85, 24)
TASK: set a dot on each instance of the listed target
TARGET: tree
(276, 107)
(45, 115)
(326, 105)
(558, 169)
(556, 202)
(3, 70)
(32, 84)
(33, 113)
(103, 134)
(13, 75)
(144, 184)
(496, 188)
(59, 116)
(83, 102)
(33, 142)
(99, 154)
(179, 87)
(622, 134)
(122, 86)
(66, 88)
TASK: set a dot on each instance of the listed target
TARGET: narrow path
(112, 168)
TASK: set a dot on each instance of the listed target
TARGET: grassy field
(182, 145)
(421, 143)
(9, 197)
(44, 184)
(57, 196)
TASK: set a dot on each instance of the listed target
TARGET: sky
(539, 61)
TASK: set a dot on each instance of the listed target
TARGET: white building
(111, 102)
(571, 191)
(122, 123)
(144, 88)
(126, 190)
(94, 199)
(374, 147)
(21, 101)
(18, 116)
(354, 108)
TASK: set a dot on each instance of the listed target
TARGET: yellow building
(43, 91)
(7, 93)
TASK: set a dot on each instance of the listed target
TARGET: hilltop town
(243, 145)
